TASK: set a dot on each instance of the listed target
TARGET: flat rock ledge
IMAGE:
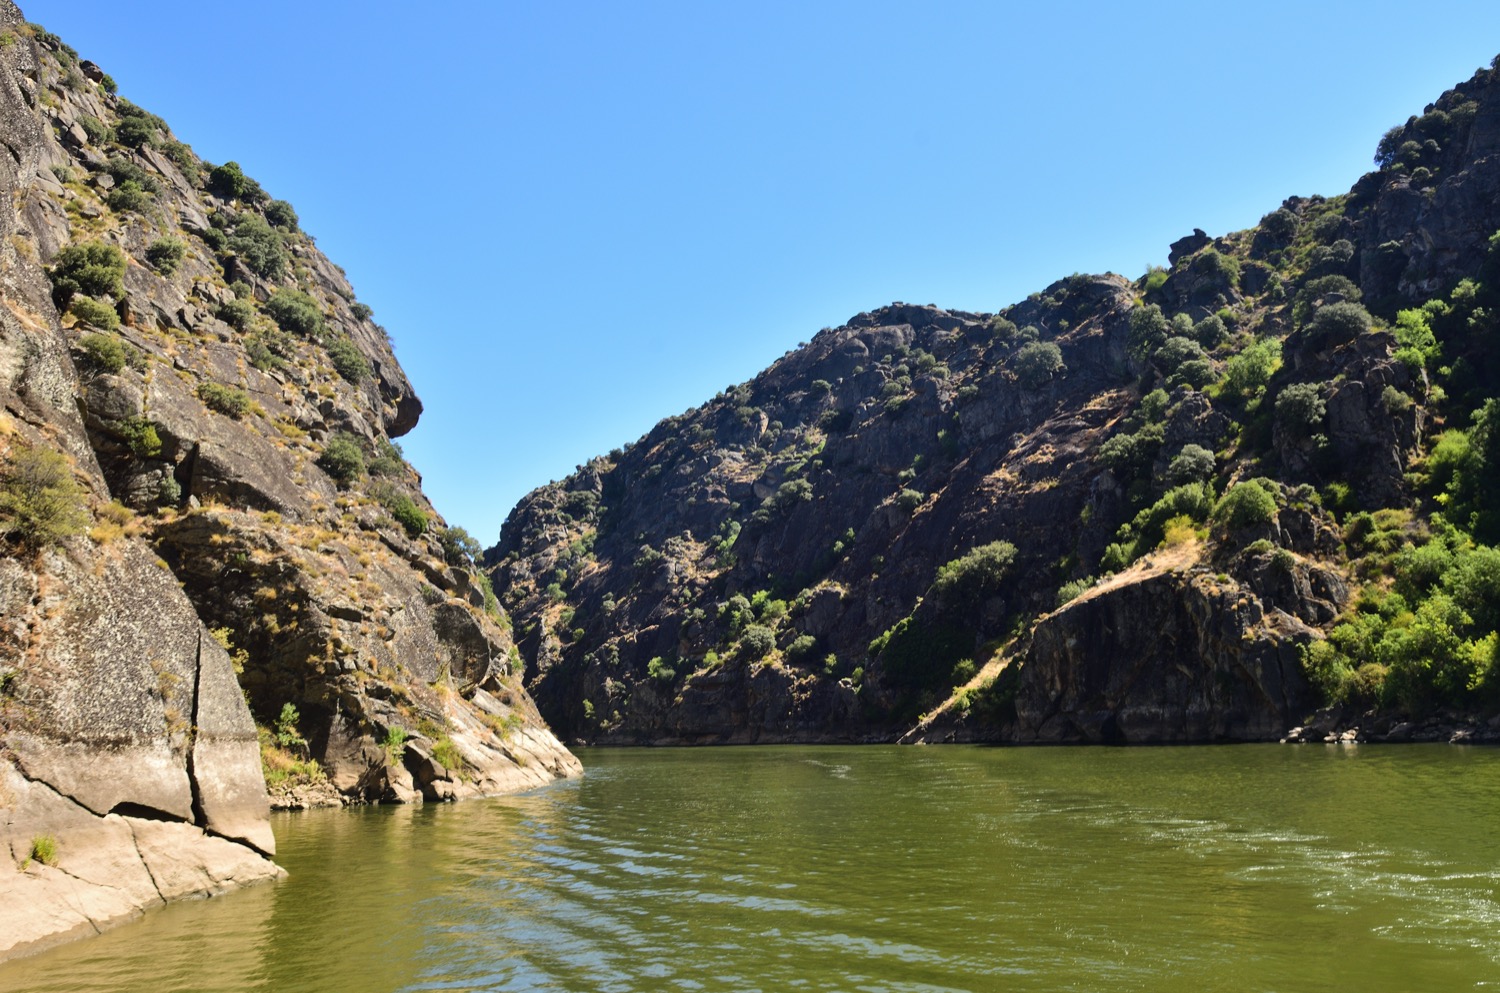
(85, 873)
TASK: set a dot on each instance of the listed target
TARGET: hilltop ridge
(833, 549)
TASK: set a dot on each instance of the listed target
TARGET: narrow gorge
(1247, 496)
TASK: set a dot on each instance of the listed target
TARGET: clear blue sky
(578, 218)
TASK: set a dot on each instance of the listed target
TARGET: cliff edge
(217, 572)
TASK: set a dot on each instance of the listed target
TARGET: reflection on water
(873, 869)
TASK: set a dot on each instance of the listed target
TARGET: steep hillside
(925, 505)
(215, 566)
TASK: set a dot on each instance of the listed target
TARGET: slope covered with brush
(1192, 506)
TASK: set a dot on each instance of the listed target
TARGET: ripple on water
(886, 870)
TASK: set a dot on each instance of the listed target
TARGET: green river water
(1249, 868)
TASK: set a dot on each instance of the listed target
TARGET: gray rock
(1162, 656)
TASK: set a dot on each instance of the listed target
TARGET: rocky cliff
(215, 567)
(927, 508)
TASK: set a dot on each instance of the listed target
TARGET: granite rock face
(228, 586)
(1163, 656)
(771, 565)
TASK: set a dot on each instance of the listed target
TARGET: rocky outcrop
(1432, 201)
(823, 495)
(130, 772)
(100, 870)
(235, 570)
(1161, 654)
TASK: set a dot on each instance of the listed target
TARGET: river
(876, 869)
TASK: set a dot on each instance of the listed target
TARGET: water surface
(874, 869)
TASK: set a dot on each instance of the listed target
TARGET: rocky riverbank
(212, 552)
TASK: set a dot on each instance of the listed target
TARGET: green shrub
(791, 493)
(142, 437)
(260, 246)
(1131, 454)
(403, 509)
(1330, 260)
(974, 577)
(1300, 408)
(487, 589)
(166, 254)
(1430, 661)
(1413, 331)
(1153, 408)
(361, 311)
(1338, 323)
(1467, 467)
(123, 170)
(94, 313)
(1429, 642)
(1279, 226)
(1192, 464)
(658, 670)
(446, 753)
(1379, 534)
(1175, 351)
(1037, 362)
(459, 547)
(1148, 330)
(342, 457)
(802, 650)
(394, 743)
(1323, 290)
(229, 181)
(757, 642)
(98, 132)
(389, 459)
(134, 132)
(224, 399)
(237, 313)
(187, 163)
(1247, 373)
(44, 849)
(347, 360)
(295, 312)
(1210, 331)
(138, 127)
(909, 500)
(1073, 589)
(281, 215)
(963, 671)
(260, 354)
(128, 196)
(1191, 502)
(287, 736)
(1001, 328)
(1223, 268)
(1248, 504)
(1196, 373)
(104, 352)
(91, 268)
(40, 501)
